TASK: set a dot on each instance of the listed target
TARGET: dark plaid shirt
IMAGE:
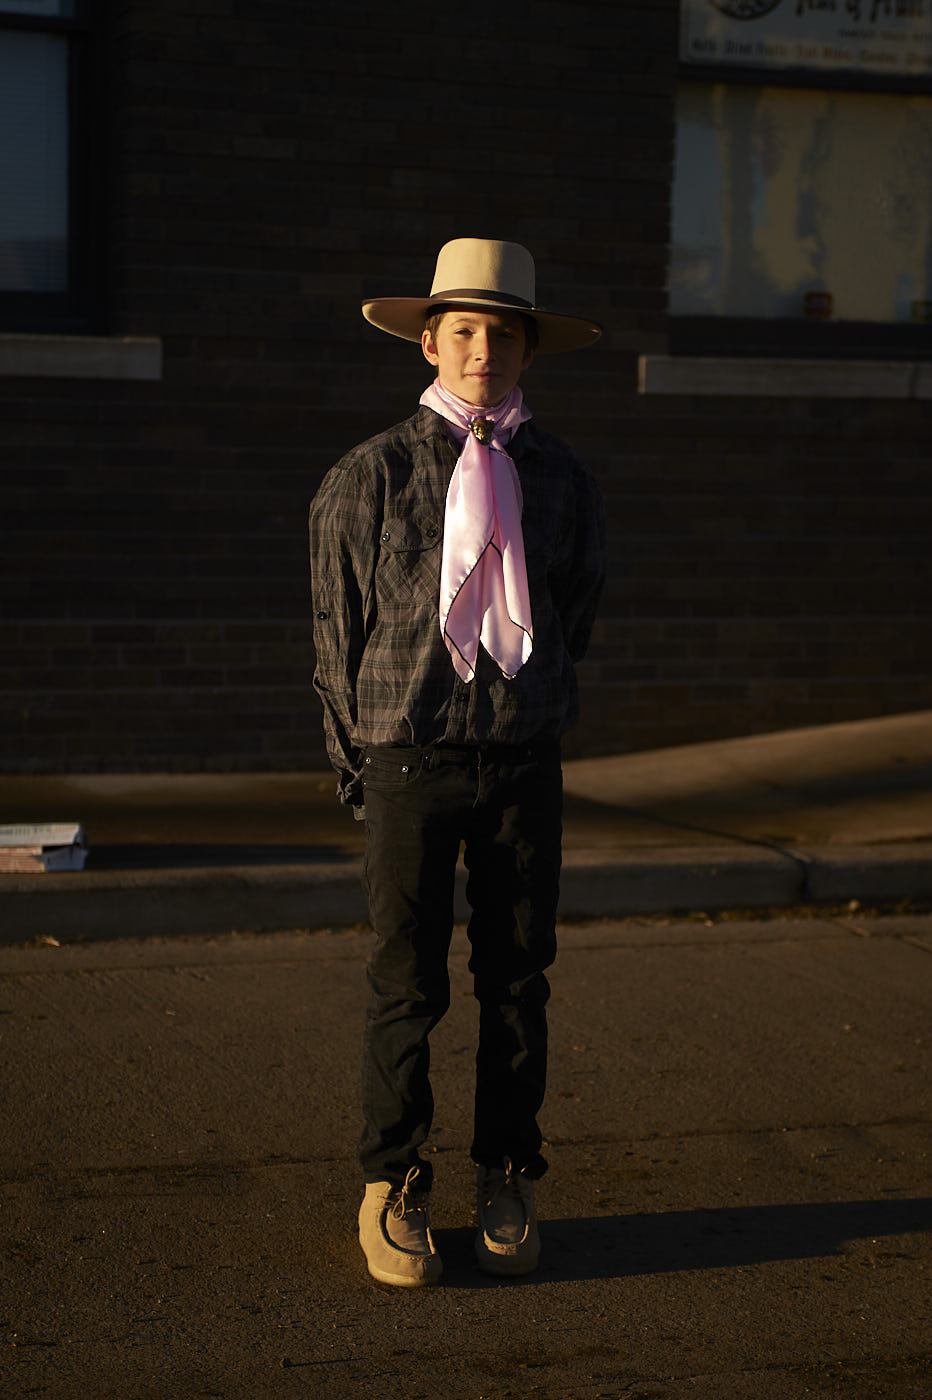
(376, 533)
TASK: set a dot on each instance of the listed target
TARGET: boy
(456, 562)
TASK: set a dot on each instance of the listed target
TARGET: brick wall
(770, 569)
(269, 166)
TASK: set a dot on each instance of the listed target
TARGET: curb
(652, 880)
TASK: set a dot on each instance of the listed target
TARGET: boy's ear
(429, 349)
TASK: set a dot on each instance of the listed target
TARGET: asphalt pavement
(738, 1207)
(738, 1121)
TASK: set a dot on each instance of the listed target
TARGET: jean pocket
(391, 768)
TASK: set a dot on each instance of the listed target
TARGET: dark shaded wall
(269, 166)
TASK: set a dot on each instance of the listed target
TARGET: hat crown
(485, 265)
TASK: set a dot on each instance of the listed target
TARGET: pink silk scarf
(483, 575)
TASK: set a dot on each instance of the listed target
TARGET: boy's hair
(531, 334)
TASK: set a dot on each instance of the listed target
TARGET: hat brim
(406, 317)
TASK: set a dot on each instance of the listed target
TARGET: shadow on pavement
(619, 1246)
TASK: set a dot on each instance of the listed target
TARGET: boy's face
(479, 355)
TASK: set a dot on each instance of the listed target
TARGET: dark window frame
(79, 309)
(798, 336)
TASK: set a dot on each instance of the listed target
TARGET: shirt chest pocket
(409, 560)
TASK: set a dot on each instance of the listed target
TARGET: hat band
(473, 293)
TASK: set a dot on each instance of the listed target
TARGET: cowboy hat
(487, 275)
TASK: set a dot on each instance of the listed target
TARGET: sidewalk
(829, 814)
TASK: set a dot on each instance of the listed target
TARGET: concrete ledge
(661, 879)
(883, 873)
(167, 903)
(771, 378)
(80, 357)
(595, 884)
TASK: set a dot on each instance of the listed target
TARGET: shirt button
(322, 615)
(386, 537)
(430, 532)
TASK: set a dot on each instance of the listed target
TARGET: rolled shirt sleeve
(342, 554)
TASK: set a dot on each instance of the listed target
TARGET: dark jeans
(505, 804)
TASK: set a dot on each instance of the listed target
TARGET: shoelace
(509, 1183)
(406, 1201)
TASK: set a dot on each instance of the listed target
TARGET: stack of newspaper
(31, 846)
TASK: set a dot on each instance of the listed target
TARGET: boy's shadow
(621, 1246)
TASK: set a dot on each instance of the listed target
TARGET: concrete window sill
(810, 379)
(80, 357)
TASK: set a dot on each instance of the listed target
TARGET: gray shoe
(507, 1241)
(394, 1231)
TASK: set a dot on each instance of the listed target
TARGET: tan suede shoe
(508, 1241)
(394, 1231)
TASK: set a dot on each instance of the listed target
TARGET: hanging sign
(839, 36)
